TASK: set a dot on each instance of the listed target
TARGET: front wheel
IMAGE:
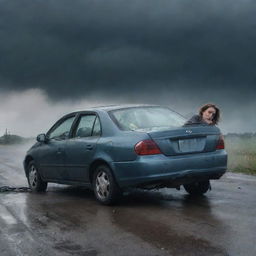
(197, 188)
(34, 180)
(105, 187)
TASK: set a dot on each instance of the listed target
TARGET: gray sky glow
(59, 56)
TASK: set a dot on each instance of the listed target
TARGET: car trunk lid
(186, 139)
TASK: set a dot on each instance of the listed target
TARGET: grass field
(241, 153)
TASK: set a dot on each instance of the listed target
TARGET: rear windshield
(146, 118)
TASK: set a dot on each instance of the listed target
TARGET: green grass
(241, 153)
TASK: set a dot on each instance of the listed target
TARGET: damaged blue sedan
(113, 148)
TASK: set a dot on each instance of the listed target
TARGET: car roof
(115, 107)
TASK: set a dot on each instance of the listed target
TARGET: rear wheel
(197, 188)
(105, 187)
(34, 180)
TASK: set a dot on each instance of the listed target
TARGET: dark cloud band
(73, 48)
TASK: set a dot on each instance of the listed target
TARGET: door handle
(89, 147)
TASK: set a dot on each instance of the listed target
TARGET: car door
(52, 153)
(81, 148)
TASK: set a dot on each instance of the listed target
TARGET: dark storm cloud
(73, 48)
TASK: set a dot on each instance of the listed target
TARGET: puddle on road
(65, 208)
(144, 214)
(162, 236)
(17, 204)
(74, 249)
(6, 216)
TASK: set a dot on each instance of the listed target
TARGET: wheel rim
(102, 185)
(33, 176)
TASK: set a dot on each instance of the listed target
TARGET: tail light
(220, 143)
(147, 147)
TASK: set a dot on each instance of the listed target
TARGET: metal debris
(14, 189)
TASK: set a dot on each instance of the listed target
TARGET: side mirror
(41, 138)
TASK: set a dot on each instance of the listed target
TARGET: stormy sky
(58, 56)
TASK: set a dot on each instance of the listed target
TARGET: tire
(35, 182)
(105, 187)
(197, 188)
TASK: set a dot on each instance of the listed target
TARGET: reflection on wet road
(68, 221)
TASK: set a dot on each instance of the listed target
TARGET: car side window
(96, 128)
(61, 132)
(85, 126)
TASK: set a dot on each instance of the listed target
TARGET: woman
(209, 114)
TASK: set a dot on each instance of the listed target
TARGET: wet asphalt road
(68, 221)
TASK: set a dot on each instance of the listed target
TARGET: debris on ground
(14, 189)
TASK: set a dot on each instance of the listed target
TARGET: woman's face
(208, 115)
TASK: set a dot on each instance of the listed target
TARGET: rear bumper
(172, 170)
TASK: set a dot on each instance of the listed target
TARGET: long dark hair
(216, 117)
